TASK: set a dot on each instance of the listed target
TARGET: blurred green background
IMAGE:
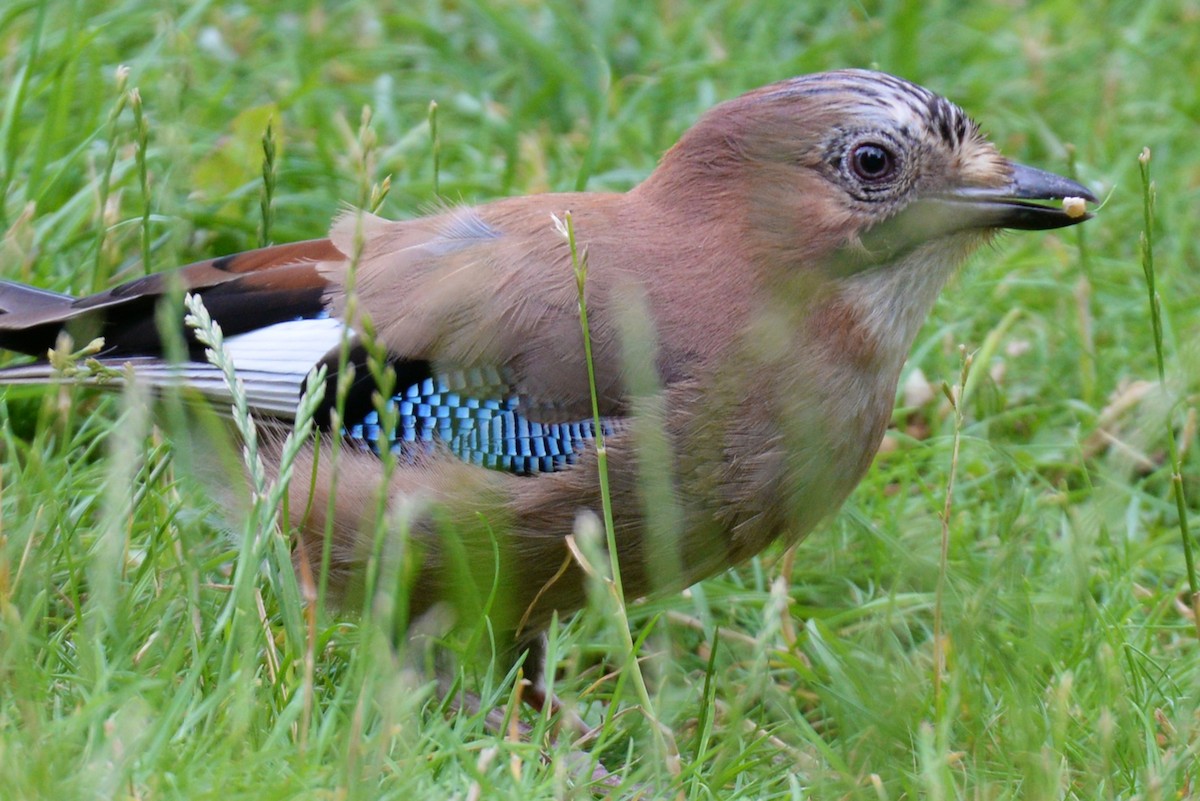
(1072, 656)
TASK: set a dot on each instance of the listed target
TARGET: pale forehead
(882, 99)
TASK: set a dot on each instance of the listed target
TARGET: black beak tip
(1029, 183)
(1085, 193)
(1027, 194)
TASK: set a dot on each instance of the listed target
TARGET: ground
(136, 662)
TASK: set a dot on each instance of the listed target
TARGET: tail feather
(242, 292)
(28, 317)
(16, 297)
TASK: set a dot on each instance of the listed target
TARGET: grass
(1070, 660)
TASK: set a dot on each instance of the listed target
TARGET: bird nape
(778, 264)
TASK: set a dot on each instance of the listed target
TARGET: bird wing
(479, 319)
(479, 310)
(489, 292)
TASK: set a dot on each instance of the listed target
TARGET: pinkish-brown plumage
(783, 255)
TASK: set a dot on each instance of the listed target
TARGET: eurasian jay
(782, 257)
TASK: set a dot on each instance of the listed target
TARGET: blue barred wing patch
(484, 431)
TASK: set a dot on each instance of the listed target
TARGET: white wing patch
(272, 362)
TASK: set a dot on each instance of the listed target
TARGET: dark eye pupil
(871, 162)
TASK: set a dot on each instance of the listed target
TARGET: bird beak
(1031, 200)
(1025, 202)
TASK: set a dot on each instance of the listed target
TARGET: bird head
(858, 188)
(864, 163)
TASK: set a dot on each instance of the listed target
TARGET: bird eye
(872, 162)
